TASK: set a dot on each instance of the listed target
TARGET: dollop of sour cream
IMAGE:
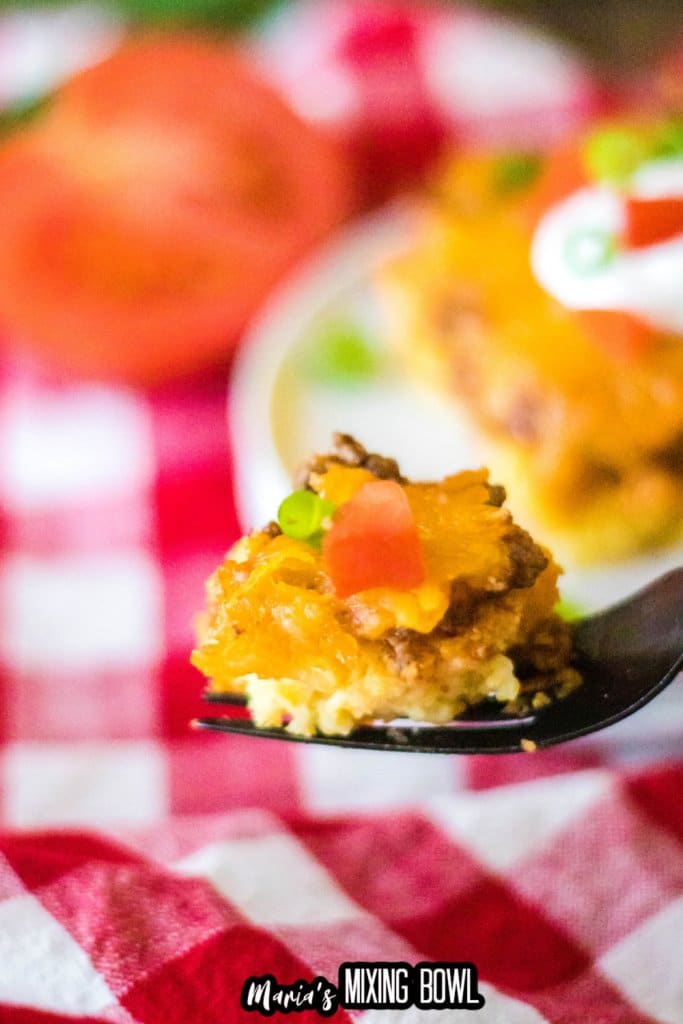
(647, 282)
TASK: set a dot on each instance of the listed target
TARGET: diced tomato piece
(145, 215)
(373, 541)
(652, 220)
(564, 172)
(620, 334)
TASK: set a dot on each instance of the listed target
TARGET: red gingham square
(133, 918)
(206, 982)
(105, 704)
(214, 773)
(659, 794)
(629, 878)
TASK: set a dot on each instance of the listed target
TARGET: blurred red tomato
(146, 214)
(399, 80)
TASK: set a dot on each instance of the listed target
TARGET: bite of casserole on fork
(372, 597)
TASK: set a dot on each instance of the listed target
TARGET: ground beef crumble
(346, 451)
(527, 559)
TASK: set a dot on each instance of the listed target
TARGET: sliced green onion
(668, 140)
(569, 610)
(515, 171)
(340, 354)
(589, 250)
(301, 515)
(613, 154)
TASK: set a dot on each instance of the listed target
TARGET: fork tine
(235, 700)
(627, 655)
(469, 738)
(489, 713)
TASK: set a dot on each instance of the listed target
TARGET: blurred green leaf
(340, 355)
(226, 14)
(19, 114)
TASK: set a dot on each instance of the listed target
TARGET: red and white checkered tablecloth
(146, 871)
(566, 893)
(116, 505)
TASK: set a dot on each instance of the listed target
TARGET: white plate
(279, 416)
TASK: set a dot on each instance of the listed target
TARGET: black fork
(626, 654)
